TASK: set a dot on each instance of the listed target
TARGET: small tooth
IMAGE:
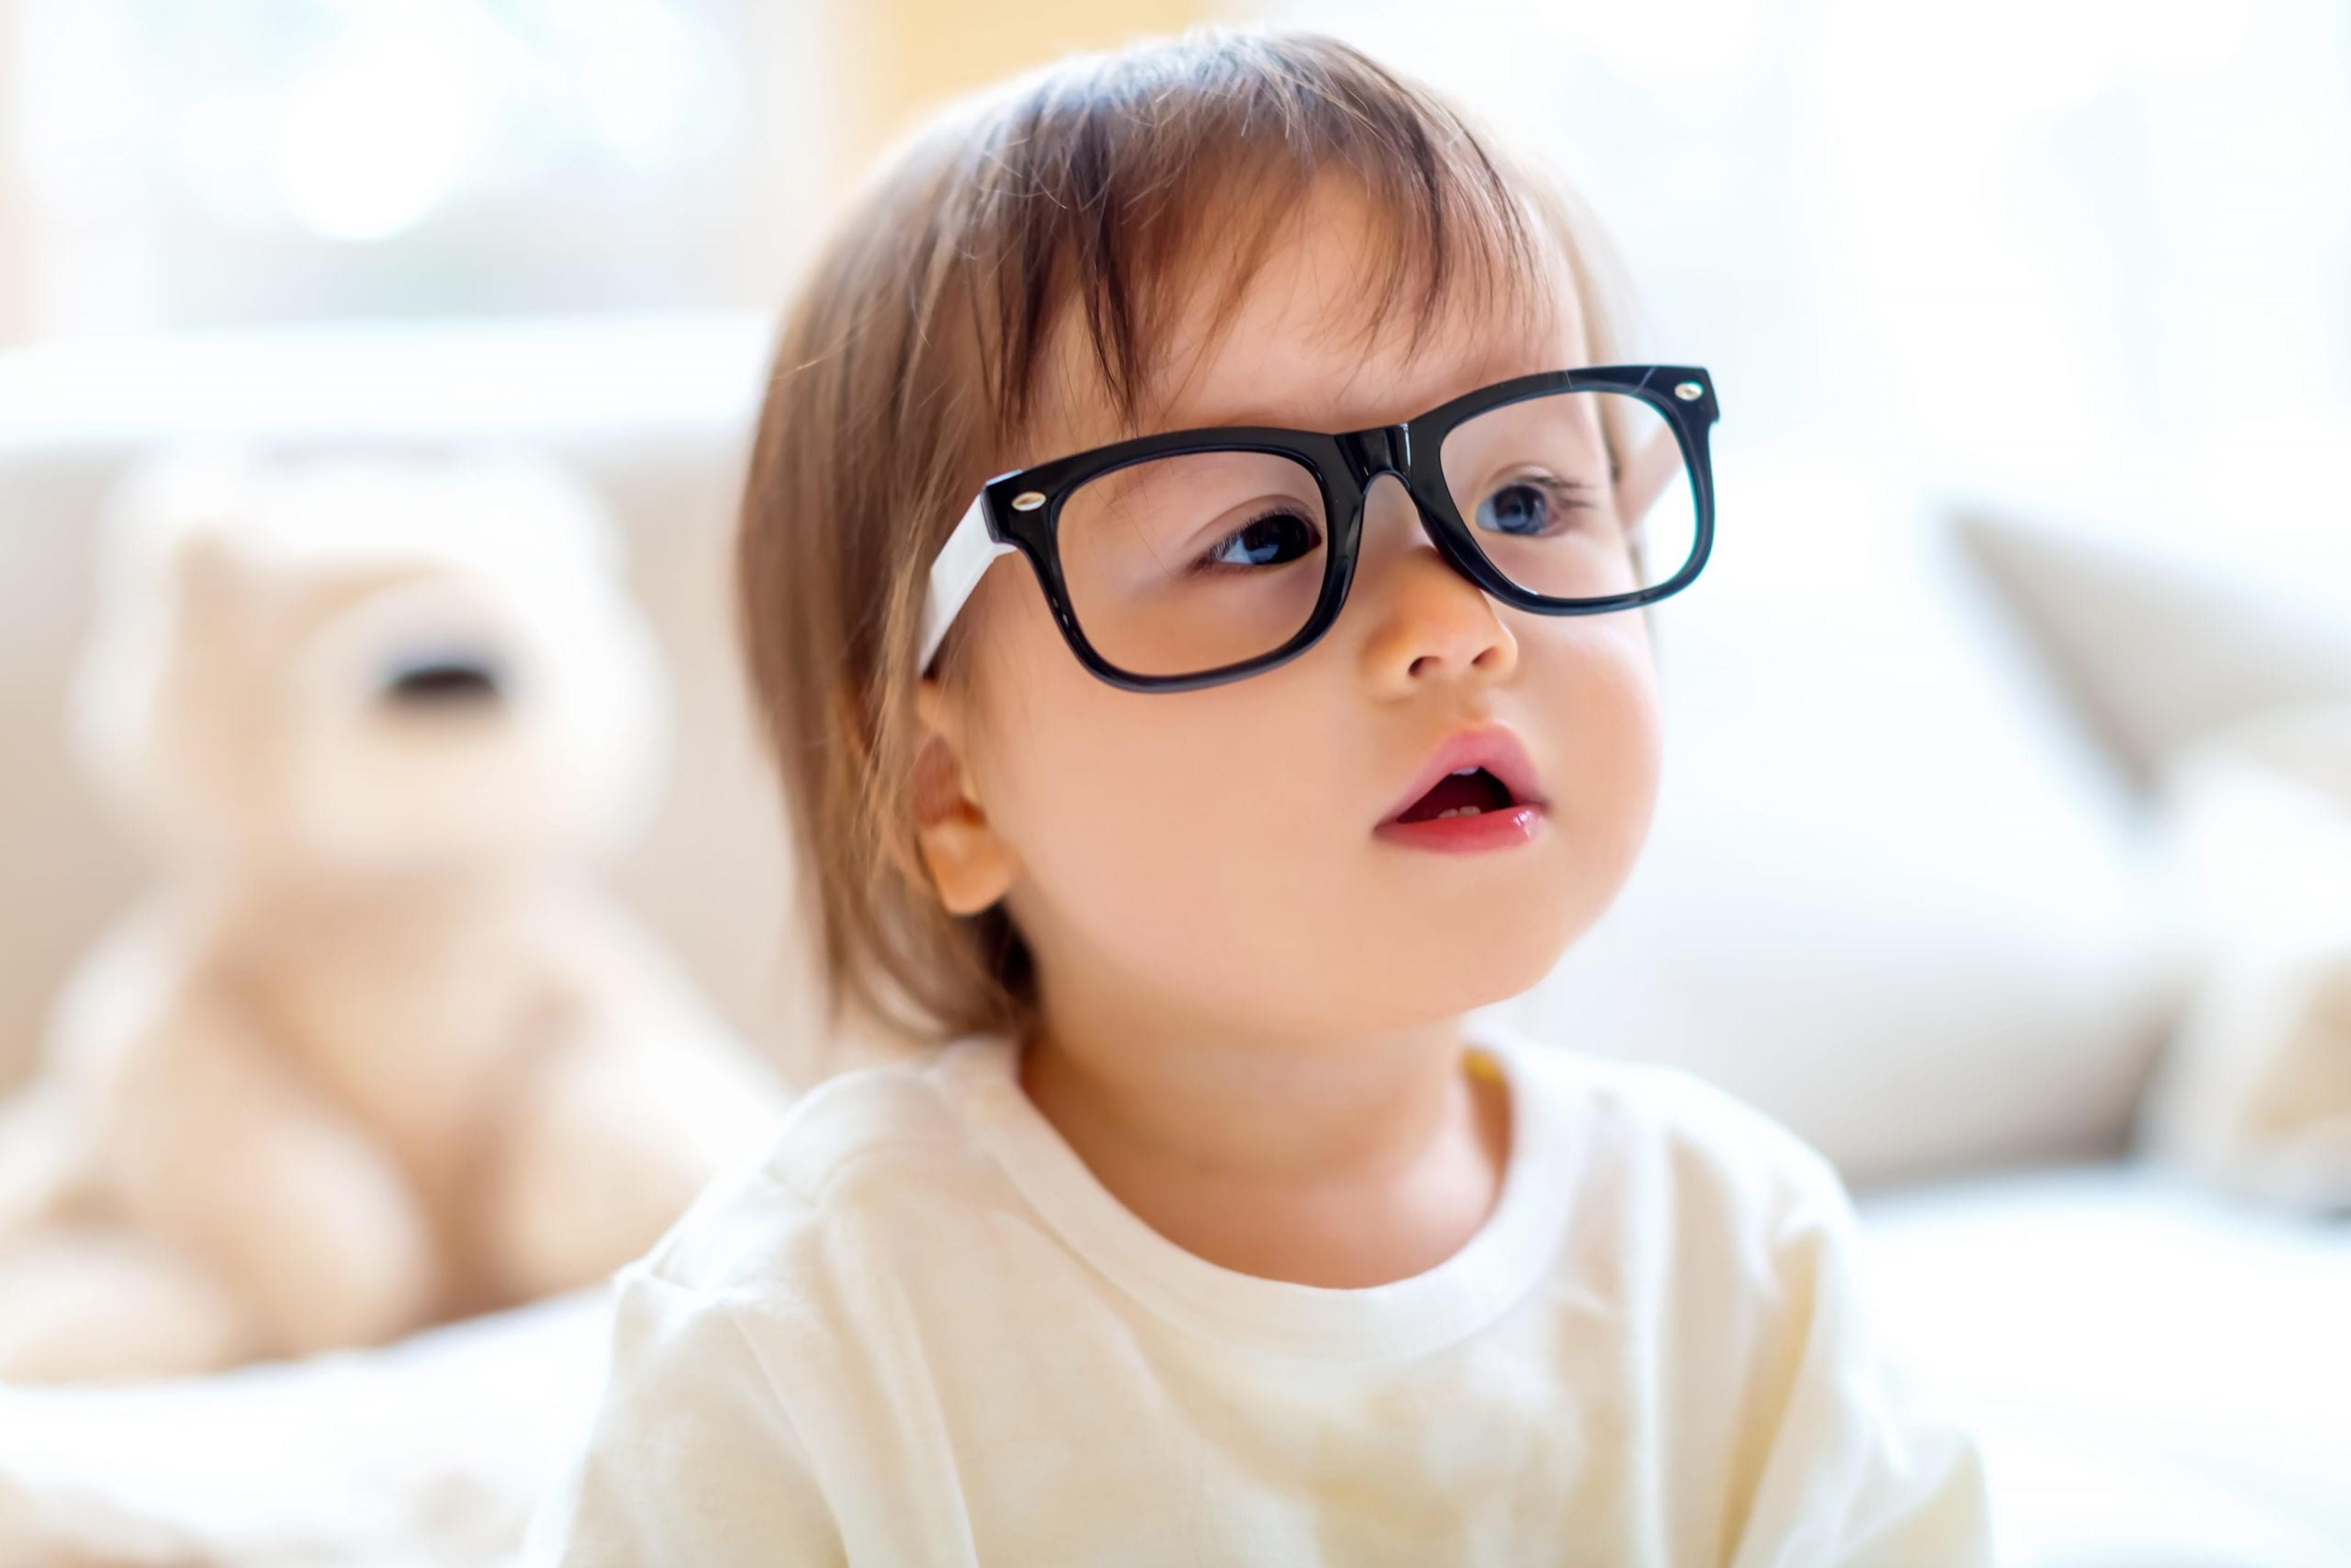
(1464, 772)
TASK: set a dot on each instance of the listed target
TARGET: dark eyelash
(1565, 488)
(1204, 563)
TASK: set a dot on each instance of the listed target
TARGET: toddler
(1184, 570)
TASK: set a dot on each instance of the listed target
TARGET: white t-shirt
(921, 1332)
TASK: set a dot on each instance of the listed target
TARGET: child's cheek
(1217, 844)
(1173, 834)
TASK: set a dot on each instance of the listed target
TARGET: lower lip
(1466, 835)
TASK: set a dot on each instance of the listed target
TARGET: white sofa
(1898, 894)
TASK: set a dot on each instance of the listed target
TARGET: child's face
(1209, 856)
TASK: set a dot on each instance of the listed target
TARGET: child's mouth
(1464, 792)
(1468, 809)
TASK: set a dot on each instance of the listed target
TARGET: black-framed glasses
(1195, 557)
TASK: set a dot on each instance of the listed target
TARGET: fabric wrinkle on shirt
(920, 1331)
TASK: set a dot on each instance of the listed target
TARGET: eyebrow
(1484, 372)
(1112, 489)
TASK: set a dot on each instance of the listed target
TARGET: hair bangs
(1119, 195)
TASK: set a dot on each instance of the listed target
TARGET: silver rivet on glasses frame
(1028, 500)
(1688, 391)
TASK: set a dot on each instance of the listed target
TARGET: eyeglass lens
(1181, 564)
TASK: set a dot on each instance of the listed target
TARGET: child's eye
(1270, 540)
(1530, 504)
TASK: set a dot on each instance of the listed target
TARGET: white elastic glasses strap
(961, 561)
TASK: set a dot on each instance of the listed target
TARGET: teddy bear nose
(443, 682)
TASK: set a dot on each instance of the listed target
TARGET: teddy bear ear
(207, 577)
(167, 501)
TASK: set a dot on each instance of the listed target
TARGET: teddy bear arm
(39, 1159)
(618, 1132)
(221, 1149)
(87, 1302)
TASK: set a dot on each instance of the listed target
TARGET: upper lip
(1496, 749)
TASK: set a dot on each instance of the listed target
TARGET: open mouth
(1479, 792)
(1464, 792)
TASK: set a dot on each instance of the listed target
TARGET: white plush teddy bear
(376, 1052)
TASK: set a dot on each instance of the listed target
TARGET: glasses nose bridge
(1387, 450)
(1383, 449)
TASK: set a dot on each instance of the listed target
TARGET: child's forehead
(1302, 346)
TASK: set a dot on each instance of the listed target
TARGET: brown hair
(911, 364)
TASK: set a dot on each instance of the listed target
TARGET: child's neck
(1339, 1162)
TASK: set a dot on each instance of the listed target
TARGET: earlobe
(970, 863)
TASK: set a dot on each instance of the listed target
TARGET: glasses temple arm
(961, 562)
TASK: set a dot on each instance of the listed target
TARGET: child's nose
(1425, 620)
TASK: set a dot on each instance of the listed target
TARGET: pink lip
(1499, 753)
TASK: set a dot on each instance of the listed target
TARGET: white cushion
(1892, 895)
(2161, 641)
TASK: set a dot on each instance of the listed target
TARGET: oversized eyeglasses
(1188, 558)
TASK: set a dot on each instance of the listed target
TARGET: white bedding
(425, 1455)
(2161, 1378)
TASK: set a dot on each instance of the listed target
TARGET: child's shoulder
(853, 1144)
(1676, 1126)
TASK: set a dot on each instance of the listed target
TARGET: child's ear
(970, 864)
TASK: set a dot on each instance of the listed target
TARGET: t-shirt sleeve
(692, 1457)
(1857, 1470)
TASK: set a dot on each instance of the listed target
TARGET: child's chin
(1454, 972)
(1501, 981)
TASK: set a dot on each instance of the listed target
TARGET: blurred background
(2005, 852)
(2061, 238)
